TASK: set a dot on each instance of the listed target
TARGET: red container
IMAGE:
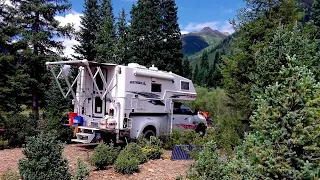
(71, 116)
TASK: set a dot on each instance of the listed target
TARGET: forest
(261, 86)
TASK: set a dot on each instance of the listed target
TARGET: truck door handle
(185, 118)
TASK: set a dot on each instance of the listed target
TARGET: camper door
(99, 106)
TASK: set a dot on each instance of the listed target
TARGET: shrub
(209, 165)
(127, 165)
(104, 155)
(3, 144)
(133, 150)
(82, 172)
(18, 128)
(43, 159)
(10, 175)
(152, 148)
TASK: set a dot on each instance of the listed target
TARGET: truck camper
(125, 101)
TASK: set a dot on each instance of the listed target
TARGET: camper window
(98, 105)
(184, 85)
(155, 87)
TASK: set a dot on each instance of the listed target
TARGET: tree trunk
(35, 105)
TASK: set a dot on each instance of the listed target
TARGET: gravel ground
(160, 169)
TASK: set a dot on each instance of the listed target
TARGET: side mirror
(195, 111)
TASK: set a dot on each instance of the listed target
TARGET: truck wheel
(201, 129)
(148, 132)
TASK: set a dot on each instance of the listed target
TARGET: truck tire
(148, 132)
(201, 129)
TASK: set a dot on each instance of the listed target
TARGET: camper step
(80, 140)
(84, 134)
(88, 128)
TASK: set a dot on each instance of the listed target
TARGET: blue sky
(193, 14)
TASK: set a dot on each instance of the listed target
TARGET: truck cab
(184, 118)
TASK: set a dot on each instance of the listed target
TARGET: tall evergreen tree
(257, 23)
(187, 69)
(315, 13)
(204, 69)
(89, 28)
(121, 49)
(37, 28)
(106, 37)
(172, 45)
(145, 34)
(195, 75)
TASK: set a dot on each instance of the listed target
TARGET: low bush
(129, 159)
(43, 159)
(82, 172)
(134, 150)
(18, 127)
(152, 148)
(3, 144)
(127, 165)
(104, 155)
(209, 165)
(10, 175)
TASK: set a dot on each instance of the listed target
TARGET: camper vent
(136, 65)
(153, 68)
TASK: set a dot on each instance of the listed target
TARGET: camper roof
(80, 63)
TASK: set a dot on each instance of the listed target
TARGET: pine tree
(187, 69)
(13, 88)
(315, 13)
(195, 75)
(284, 143)
(106, 37)
(172, 45)
(145, 34)
(257, 23)
(38, 26)
(44, 159)
(87, 35)
(121, 49)
(204, 70)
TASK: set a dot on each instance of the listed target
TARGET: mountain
(195, 42)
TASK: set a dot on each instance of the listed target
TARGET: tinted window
(155, 87)
(184, 85)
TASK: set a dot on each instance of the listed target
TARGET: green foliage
(255, 29)
(145, 34)
(126, 165)
(171, 42)
(315, 13)
(89, 28)
(134, 150)
(121, 47)
(104, 155)
(3, 144)
(129, 159)
(10, 175)
(40, 46)
(44, 159)
(187, 69)
(82, 172)
(106, 37)
(56, 110)
(19, 127)
(284, 142)
(209, 165)
(151, 148)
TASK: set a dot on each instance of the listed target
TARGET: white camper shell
(126, 101)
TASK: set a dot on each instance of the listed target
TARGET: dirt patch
(160, 169)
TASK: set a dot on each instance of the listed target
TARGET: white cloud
(215, 25)
(184, 32)
(73, 18)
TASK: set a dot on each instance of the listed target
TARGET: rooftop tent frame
(81, 63)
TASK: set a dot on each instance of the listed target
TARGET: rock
(150, 170)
